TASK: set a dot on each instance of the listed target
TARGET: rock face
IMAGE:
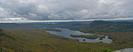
(125, 50)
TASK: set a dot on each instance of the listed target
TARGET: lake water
(67, 32)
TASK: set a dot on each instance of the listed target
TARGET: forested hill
(106, 26)
(100, 22)
(3, 34)
(101, 26)
(3, 38)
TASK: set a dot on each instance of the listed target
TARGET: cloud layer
(17, 10)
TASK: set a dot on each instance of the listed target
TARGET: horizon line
(30, 21)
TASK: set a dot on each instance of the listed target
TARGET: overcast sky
(24, 10)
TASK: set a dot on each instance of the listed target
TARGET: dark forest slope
(105, 26)
(3, 37)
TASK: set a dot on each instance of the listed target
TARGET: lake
(65, 32)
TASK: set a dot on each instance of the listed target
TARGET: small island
(89, 36)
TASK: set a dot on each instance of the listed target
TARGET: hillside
(101, 26)
(105, 26)
(3, 37)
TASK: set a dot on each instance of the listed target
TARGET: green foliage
(0, 49)
(1, 30)
(2, 33)
(86, 36)
(106, 50)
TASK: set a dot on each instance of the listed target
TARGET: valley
(28, 38)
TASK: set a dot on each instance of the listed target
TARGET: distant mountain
(121, 20)
(102, 26)
(130, 21)
(107, 26)
(4, 25)
(100, 22)
(8, 24)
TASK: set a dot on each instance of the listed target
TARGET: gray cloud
(65, 9)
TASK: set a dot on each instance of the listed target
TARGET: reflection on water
(67, 32)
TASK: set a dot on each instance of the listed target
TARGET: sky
(65, 10)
